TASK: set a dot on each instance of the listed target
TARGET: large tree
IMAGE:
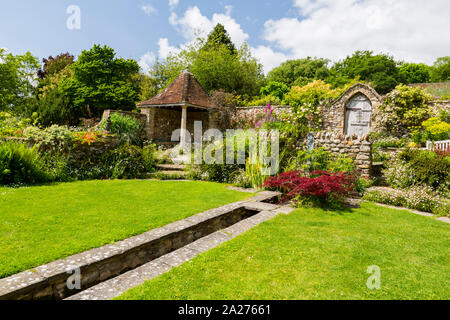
(415, 73)
(441, 70)
(217, 68)
(219, 37)
(17, 77)
(300, 71)
(381, 70)
(102, 81)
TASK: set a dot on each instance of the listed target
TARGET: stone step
(170, 167)
(168, 175)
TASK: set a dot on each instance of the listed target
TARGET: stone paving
(425, 214)
(118, 285)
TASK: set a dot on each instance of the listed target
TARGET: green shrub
(419, 167)
(124, 162)
(362, 184)
(219, 172)
(275, 89)
(20, 164)
(12, 126)
(128, 162)
(127, 128)
(389, 142)
(56, 165)
(319, 159)
(57, 138)
(433, 130)
(403, 109)
(306, 100)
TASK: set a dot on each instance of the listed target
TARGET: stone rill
(95, 266)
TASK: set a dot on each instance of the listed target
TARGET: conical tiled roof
(185, 90)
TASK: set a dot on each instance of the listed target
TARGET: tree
(381, 70)
(216, 69)
(415, 73)
(219, 37)
(219, 69)
(300, 72)
(148, 87)
(441, 70)
(54, 65)
(101, 81)
(275, 89)
(167, 71)
(17, 75)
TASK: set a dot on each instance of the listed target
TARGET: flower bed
(419, 198)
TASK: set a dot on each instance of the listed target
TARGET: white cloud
(413, 30)
(148, 9)
(165, 48)
(193, 23)
(146, 61)
(173, 4)
(268, 58)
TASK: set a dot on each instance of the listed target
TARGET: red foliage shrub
(320, 187)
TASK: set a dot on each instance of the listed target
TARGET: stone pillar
(150, 123)
(183, 126)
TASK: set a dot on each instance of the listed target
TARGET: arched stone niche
(358, 115)
(352, 112)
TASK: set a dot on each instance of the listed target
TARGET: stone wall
(85, 151)
(246, 115)
(360, 150)
(439, 105)
(78, 151)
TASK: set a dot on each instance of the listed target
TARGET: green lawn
(315, 254)
(41, 224)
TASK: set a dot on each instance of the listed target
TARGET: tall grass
(20, 164)
(254, 173)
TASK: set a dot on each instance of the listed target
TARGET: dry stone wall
(360, 150)
(250, 115)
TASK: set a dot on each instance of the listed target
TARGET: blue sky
(411, 30)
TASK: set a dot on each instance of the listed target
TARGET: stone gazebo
(177, 107)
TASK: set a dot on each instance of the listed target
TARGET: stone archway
(358, 115)
(352, 112)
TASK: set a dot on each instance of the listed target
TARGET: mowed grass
(41, 224)
(317, 254)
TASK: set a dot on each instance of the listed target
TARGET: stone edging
(118, 285)
(425, 214)
(49, 281)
